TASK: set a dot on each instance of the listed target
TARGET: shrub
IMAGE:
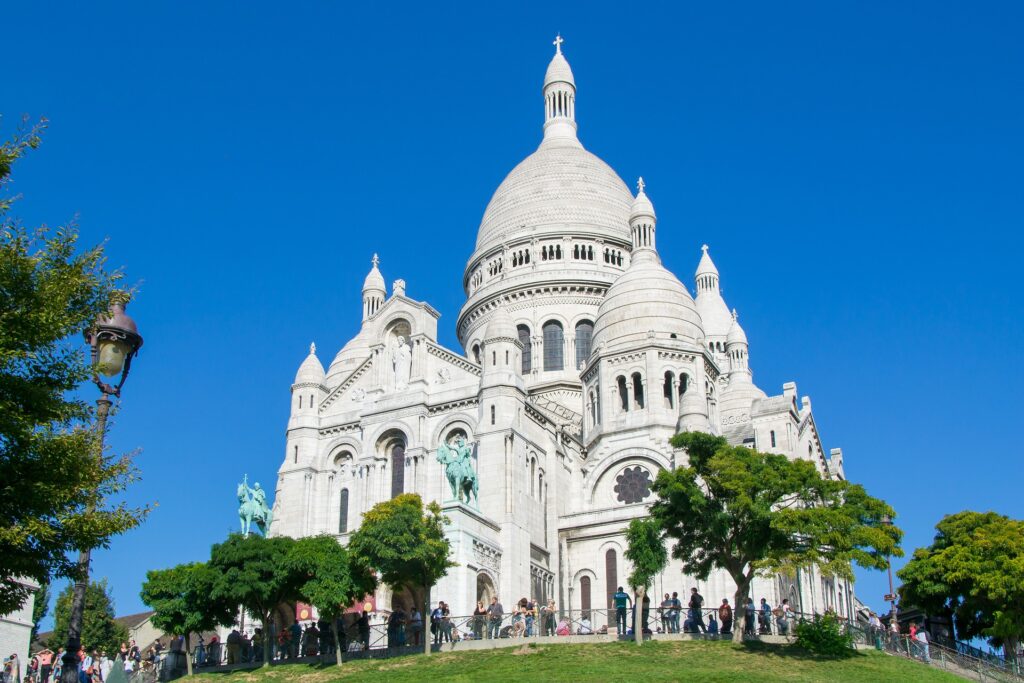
(824, 636)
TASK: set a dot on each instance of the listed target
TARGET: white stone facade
(16, 629)
(582, 355)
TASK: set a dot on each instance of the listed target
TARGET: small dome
(736, 333)
(558, 70)
(646, 299)
(311, 371)
(374, 280)
(706, 265)
(500, 326)
(351, 355)
(641, 205)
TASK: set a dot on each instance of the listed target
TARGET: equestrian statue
(252, 507)
(458, 467)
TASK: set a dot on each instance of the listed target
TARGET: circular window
(633, 485)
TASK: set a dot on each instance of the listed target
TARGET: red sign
(368, 603)
(303, 612)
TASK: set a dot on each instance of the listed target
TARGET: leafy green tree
(748, 512)
(181, 598)
(40, 608)
(973, 570)
(99, 630)
(55, 478)
(258, 574)
(332, 580)
(646, 551)
(405, 544)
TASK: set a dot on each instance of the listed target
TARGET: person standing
(922, 644)
(364, 629)
(666, 614)
(531, 616)
(766, 618)
(725, 617)
(45, 665)
(548, 627)
(677, 608)
(234, 642)
(622, 601)
(416, 625)
(495, 613)
(696, 611)
(748, 614)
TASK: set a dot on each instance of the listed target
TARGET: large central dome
(561, 188)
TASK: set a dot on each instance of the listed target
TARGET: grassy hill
(606, 662)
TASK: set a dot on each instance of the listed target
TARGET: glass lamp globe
(111, 356)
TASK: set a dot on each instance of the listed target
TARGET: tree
(748, 512)
(332, 580)
(99, 630)
(40, 608)
(973, 570)
(181, 598)
(646, 551)
(405, 544)
(54, 475)
(258, 574)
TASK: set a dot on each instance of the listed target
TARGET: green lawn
(654, 661)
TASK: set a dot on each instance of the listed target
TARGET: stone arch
(398, 322)
(330, 454)
(457, 421)
(486, 586)
(611, 464)
(389, 429)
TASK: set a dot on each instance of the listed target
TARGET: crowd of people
(95, 666)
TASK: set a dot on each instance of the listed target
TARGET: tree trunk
(426, 619)
(337, 640)
(739, 607)
(638, 615)
(268, 637)
(188, 653)
(1010, 653)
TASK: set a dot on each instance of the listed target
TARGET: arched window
(343, 512)
(669, 389)
(493, 415)
(300, 401)
(611, 573)
(553, 345)
(533, 476)
(638, 391)
(623, 393)
(524, 339)
(584, 337)
(585, 596)
(476, 354)
(771, 434)
(397, 469)
(810, 451)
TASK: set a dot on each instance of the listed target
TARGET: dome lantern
(559, 97)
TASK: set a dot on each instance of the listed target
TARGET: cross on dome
(312, 348)
(704, 248)
(640, 184)
(558, 43)
(735, 315)
(375, 260)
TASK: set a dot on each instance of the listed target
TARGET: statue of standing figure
(458, 468)
(252, 507)
(401, 359)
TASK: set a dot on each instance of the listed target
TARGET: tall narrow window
(476, 353)
(533, 476)
(611, 572)
(296, 454)
(492, 415)
(554, 342)
(524, 339)
(772, 435)
(397, 469)
(623, 393)
(669, 390)
(585, 596)
(343, 512)
(584, 337)
(300, 401)
(638, 391)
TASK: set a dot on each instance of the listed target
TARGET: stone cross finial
(558, 44)
(704, 248)
(735, 315)
(312, 348)
(640, 184)
(375, 260)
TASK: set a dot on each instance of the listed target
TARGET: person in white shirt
(922, 643)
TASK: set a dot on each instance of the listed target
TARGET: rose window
(633, 485)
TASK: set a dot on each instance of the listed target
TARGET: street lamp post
(887, 520)
(114, 341)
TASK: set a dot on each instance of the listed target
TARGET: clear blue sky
(855, 167)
